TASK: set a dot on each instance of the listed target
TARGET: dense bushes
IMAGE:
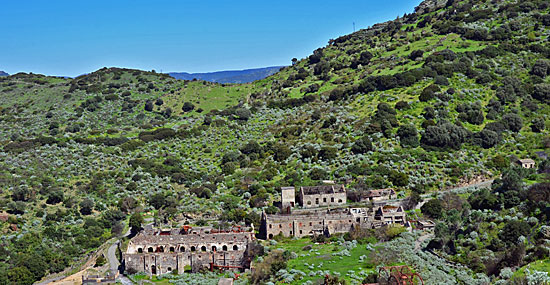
(362, 145)
(158, 134)
(408, 136)
(542, 92)
(444, 135)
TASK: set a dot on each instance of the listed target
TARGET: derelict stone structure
(162, 251)
(321, 196)
(303, 223)
(288, 198)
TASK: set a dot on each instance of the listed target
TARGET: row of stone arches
(182, 248)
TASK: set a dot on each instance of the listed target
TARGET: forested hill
(230, 76)
(3, 73)
(454, 91)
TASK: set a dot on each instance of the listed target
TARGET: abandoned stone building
(310, 222)
(288, 198)
(158, 252)
(322, 196)
(526, 163)
(377, 195)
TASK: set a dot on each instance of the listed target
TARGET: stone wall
(160, 254)
(306, 225)
(312, 222)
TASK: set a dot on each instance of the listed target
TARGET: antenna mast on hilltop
(354, 27)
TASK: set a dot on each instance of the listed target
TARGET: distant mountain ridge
(229, 76)
(3, 73)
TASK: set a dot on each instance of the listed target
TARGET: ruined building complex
(311, 222)
(313, 196)
(158, 252)
(311, 219)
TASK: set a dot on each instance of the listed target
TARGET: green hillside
(456, 91)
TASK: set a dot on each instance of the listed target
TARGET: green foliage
(136, 220)
(433, 208)
(408, 136)
(513, 230)
(444, 135)
(362, 145)
(187, 107)
(100, 261)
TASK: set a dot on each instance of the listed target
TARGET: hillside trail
(480, 185)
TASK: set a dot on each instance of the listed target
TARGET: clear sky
(61, 37)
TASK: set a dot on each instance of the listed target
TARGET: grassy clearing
(320, 257)
(539, 265)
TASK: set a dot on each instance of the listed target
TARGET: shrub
(86, 206)
(445, 135)
(541, 68)
(416, 54)
(408, 136)
(432, 208)
(537, 125)
(187, 107)
(428, 93)
(402, 105)
(541, 92)
(513, 122)
(362, 145)
(149, 106)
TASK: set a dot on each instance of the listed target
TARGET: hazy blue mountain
(2, 73)
(229, 76)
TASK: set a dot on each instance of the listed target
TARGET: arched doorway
(224, 248)
(182, 249)
(153, 270)
(140, 250)
(203, 248)
(235, 247)
(150, 249)
(214, 248)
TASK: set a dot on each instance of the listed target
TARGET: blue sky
(74, 37)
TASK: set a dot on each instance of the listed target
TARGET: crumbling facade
(378, 195)
(303, 223)
(288, 198)
(322, 196)
(177, 250)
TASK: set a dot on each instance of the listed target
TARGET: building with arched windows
(158, 252)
